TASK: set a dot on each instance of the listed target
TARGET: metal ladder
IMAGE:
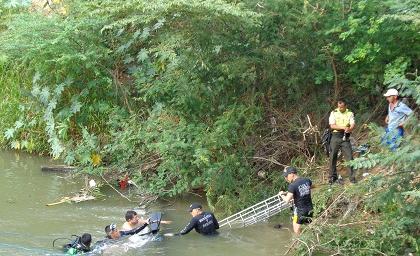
(256, 213)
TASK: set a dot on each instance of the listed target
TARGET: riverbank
(376, 216)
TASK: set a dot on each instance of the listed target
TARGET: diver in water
(113, 234)
(79, 245)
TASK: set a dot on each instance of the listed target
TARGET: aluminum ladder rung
(256, 213)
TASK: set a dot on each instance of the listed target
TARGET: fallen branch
(368, 249)
(57, 168)
(309, 249)
(147, 200)
(269, 160)
(63, 200)
(356, 223)
(196, 194)
(326, 210)
(311, 130)
(74, 199)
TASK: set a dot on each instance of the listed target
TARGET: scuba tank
(72, 251)
(79, 245)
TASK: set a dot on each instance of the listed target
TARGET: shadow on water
(28, 226)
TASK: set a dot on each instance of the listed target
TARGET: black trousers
(336, 144)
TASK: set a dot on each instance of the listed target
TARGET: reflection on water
(28, 226)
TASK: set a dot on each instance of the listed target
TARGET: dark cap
(288, 170)
(194, 206)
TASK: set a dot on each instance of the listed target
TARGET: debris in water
(123, 182)
(85, 194)
(57, 168)
(92, 183)
(74, 199)
(278, 226)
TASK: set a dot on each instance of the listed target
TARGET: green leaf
(142, 55)
(17, 3)
(75, 106)
(136, 34)
(414, 193)
(24, 144)
(18, 124)
(44, 95)
(56, 147)
(15, 144)
(217, 49)
(128, 60)
(36, 78)
(59, 89)
(36, 91)
(146, 33)
(159, 24)
(8, 134)
(70, 158)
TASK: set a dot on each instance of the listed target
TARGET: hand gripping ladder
(256, 213)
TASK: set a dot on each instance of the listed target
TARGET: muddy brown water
(28, 226)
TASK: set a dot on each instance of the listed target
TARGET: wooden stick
(270, 160)
(356, 223)
(63, 200)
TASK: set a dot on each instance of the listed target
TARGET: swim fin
(154, 222)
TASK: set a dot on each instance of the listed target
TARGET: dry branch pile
(287, 136)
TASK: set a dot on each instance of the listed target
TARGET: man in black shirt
(203, 222)
(300, 190)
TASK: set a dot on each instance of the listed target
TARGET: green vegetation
(378, 215)
(207, 95)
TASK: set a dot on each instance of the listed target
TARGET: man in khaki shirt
(342, 124)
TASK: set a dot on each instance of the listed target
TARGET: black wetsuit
(78, 247)
(128, 232)
(109, 239)
(205, 224)
(133, 231)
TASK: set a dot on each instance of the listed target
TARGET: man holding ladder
(300, 190)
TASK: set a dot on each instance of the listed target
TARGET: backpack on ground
(325, 141)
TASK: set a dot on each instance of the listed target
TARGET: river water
(28, 226)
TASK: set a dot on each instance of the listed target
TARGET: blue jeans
(392, 138)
